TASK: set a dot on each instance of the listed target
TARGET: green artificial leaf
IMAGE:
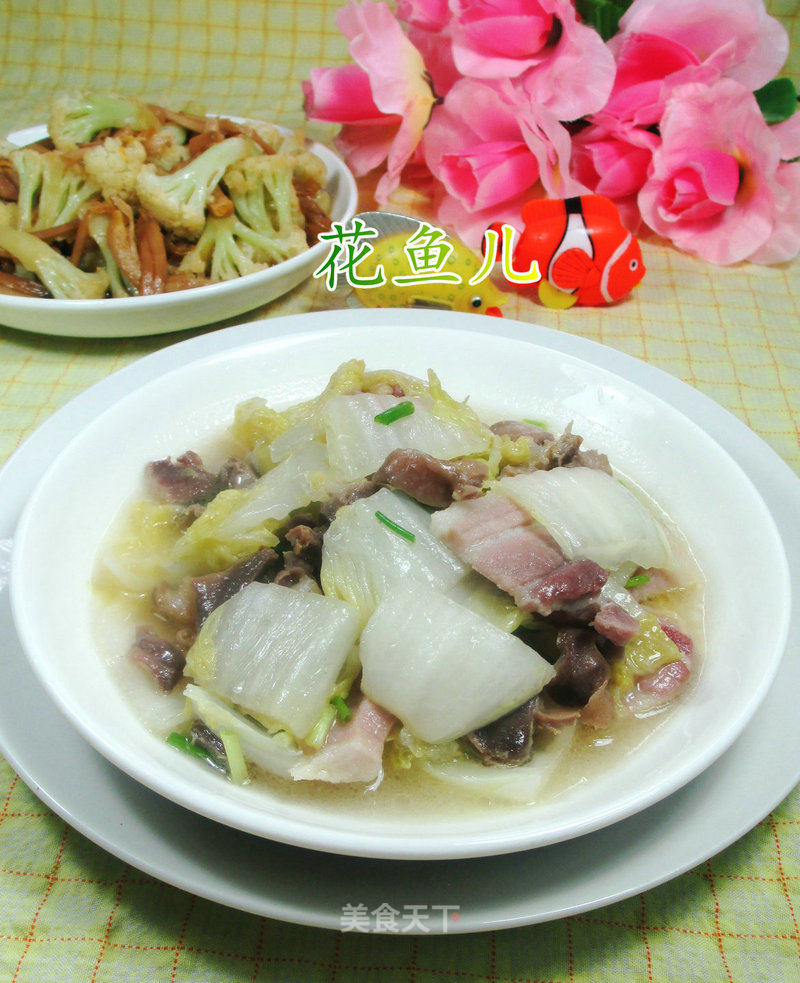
(602, 15)
(777, 100)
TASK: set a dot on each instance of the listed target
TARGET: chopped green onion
(395, 527)
(343, 711)
(537, 423)
(182, 743)
(397, 412)
(637, 580)
(233, 751)
(318, 733)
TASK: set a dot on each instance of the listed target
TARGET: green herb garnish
(637, 580)
(537, 423)
(395, 527)
(397, 412)
(182, 743)
(343, 711)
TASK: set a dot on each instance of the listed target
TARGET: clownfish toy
(585, 254)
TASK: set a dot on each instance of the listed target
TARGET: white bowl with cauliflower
(123, 218)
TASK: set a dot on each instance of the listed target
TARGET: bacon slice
(615, 624)
(353, 752)
(501, 542)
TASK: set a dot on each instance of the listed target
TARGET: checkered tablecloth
(71, 912)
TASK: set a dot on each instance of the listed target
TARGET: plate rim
(315, 834)
(611, 358)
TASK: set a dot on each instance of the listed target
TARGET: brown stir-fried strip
(18, 286)
(82, 236)
(177, 247)
(316, 219)
(66, 231)
(184, 281)
(41, 146)
(220, 204)
(9, 182)
(152, 255)
(202, 141)
(81, 240)
(232, 129)
(197, 124)
(122, 242)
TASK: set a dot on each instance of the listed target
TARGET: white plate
(123, 317)
(76, 500)
(262, 877)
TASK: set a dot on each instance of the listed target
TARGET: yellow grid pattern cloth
(70, 911)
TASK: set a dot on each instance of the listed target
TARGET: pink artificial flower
(643, 62)
(714, 187)
(788, 134)
(612, 158)
(384, 101)
(784, 243)
(488, 145)
(739, 39)
(563, 64)
(431, 15)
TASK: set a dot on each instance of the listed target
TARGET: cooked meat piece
(683, 642)
(615, 624)
(353, 751)
(177, 604)
(297, 574)
(163, 659)
(190, 603)
(564, 448)
(517, 428)
(591, 459)
(236, 473)
(508, 740)
(187, 482)
(570, 582)
(580, 671)
(501, 542)
(552, 717)
(548, 452)
(184, 481)
(655, 690)
(216, 588)
(211, 743)
(600, 711)
(352, 493)
(306, 542)
(188, 513)
(431, 481)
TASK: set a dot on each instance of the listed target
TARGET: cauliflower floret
(51, 192)
(77, 118)
(62, 279)
(167, 147)
(178, 200)
(222, 252)
(114, 166)
(9, 214)
(309, 170)
(265, 201)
